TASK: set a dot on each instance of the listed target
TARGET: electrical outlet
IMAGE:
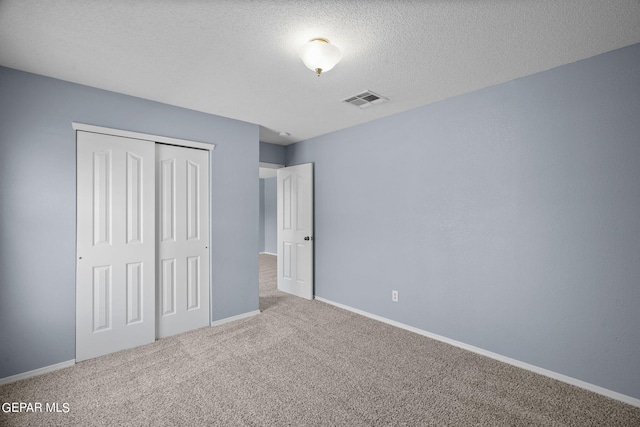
(394, 296)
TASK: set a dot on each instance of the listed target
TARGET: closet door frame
(163, 140)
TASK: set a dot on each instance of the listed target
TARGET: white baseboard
(36, 372)
(234, 318)
(538, 370)
(268, 253)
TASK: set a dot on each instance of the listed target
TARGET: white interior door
(183, 239)
(115, 274)
(295, 230)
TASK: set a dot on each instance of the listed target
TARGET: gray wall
(272, 153)
(508, 218)
(270, 224)
(276, 154)
(38, 207)
(261, 219)
(268, 221)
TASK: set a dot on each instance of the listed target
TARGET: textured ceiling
(239, 58)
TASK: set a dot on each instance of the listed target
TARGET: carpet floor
(305, 363)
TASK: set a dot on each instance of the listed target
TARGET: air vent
(365, 99)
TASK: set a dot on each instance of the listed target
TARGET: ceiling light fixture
(319, 55)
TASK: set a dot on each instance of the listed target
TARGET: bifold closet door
(115, 273)
(182, 194)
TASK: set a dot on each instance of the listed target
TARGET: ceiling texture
(238, 58)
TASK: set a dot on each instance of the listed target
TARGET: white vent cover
(365, 99)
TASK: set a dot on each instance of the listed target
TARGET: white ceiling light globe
(319, 55)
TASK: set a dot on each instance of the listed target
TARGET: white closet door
(115, 275)
(182, 185)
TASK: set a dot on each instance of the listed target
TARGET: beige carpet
(306, 363)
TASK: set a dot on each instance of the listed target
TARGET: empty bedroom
(319, 213)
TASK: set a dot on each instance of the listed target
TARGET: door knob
(308, 238)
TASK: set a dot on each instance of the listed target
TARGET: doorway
(286, 226)
(267, 247)
(268, 208)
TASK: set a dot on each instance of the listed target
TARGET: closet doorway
(142, 269)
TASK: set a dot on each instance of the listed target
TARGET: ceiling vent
(365, 99)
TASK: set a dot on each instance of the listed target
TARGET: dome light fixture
(319, 55)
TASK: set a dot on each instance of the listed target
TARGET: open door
(295, 230)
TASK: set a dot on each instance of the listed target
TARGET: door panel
(295, 230)
(193, 283)
(101, 196)
(115, 275)
(167, 294)
(183, 227)
(134, 201)
(166, 198)
(134, 292)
